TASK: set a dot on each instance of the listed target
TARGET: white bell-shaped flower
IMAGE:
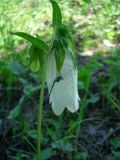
(64, 92)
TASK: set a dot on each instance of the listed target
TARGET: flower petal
(64, 93)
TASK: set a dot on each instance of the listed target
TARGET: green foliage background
(92, 21)
(93, 132)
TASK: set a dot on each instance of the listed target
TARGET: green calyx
(63, 44)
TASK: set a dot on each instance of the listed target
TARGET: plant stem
(40, 108)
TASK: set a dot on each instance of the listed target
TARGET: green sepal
(62, 31)
(59, 55)
(36, 58)
(71, 44)
(35, 65)
(70, 51)
(57, 17)
(65, 33)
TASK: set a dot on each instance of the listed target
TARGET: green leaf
(84, 74)
(81, 155)
(47, 153)
(32, 134)
(57, 17)
(116, 155)
(35, 41)
(93, 99)
(115, 141)
(15, 112)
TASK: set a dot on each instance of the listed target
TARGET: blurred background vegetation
(93, 132)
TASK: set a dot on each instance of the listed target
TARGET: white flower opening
(65, 92)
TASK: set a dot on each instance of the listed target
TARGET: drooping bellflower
(64, 92)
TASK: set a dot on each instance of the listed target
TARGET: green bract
(57, 17)
(37, 42)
